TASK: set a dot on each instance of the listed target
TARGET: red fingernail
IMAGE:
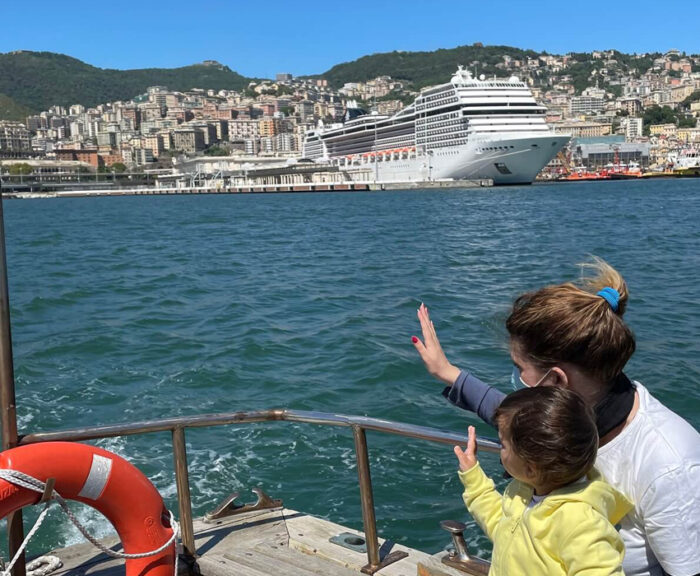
(414, 339)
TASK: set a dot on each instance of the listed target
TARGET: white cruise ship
(466, 129)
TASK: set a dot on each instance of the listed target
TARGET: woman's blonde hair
(572, 323)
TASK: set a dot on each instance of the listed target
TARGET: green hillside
(10, 110)
(424, 68)
(39, 80)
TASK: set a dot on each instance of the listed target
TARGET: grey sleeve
(470, 393)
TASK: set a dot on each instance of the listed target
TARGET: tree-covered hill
(424, 68)
(38, 80)
(10, 110)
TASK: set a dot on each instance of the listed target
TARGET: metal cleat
(459, 558)
(229, 507)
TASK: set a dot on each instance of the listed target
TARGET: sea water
(136, 308)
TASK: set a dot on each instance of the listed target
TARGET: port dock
(218, 188)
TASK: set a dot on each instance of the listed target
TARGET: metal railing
(177, 427)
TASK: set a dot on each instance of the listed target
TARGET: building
(111, 157)
(632, 105)
(15, 139)
(680, 93)
(286, 142)
(269, 126)
(632, 128)
(243, 130)
(154, 143)
(662, 129)
(598, 155)
(585, 105)
(267, 145)
(85, 155)
(695, 109)
(188, 140)
(582, 129)
(35, 123)
(45, 167)
(688, 135)
(305, 110)
(142, 156)
(110, 139)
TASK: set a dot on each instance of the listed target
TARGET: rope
(26, 481)
(43, 565)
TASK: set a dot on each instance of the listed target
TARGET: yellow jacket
(569, 532)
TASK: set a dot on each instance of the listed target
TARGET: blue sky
(308, 37)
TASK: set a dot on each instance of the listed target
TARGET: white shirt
(655, 463)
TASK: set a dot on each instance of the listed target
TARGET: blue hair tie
(611, 296)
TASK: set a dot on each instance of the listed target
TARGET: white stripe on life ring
(97, 479)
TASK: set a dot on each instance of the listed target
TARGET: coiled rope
(31, 483)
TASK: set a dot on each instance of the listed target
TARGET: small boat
(582, 175)
(631, 171)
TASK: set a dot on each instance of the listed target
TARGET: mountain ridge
(31, 82)
(38, 80)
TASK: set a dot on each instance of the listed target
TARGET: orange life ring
(105, 482)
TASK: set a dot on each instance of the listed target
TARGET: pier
(218, 187)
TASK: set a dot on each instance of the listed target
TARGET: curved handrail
(177, 426)
(225, 418)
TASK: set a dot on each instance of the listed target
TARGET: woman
(575, 337)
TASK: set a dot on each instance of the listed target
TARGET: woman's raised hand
(467, 458)
(431, 352)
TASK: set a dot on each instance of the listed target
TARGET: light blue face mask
(517, 382)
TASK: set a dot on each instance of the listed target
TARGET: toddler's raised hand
(467, 458)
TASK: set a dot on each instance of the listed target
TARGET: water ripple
(129, 309)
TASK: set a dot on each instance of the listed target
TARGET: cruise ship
(469, 128)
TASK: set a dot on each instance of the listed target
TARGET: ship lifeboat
(105, 482)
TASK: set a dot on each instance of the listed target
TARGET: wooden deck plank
(278, 542)
(311, 535)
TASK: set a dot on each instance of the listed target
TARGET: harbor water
(135, 308)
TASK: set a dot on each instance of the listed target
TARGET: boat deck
(279, 542)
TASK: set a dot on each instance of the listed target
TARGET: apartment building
(15, 139)
(583, 129)
(585, 105)
(188, 140)
(243, 129)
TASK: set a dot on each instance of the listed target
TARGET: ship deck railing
(177, 426)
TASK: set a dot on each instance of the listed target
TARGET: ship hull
(509, 160)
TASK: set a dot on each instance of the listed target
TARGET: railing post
(15, 527)
(369, 521)
(367, 497)
(182, 481)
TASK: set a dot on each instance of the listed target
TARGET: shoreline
(252, 189)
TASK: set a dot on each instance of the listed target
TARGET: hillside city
(643, 114)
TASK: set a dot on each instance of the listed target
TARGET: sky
(260, 39)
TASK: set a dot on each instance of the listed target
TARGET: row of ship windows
(508, 125)
(442, 131)
(442, 120)
(440, 125)
(444, 95)
(496, 148)
(437, 118)
(452, 141)
(437, 103)
(362, 150)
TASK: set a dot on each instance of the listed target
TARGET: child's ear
(531, 471)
